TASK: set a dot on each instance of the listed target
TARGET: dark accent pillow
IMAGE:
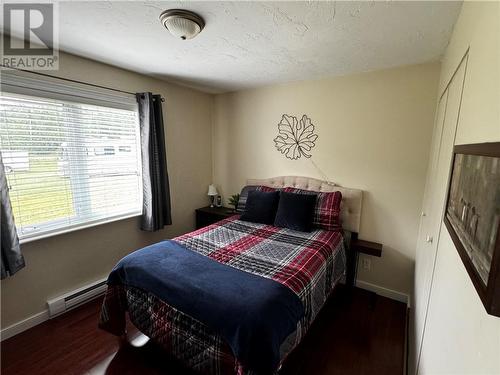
(295, 211)
(327, 210)
(261, 207)
(244, 194)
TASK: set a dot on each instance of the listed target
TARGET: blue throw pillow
(295, 211)
(261, 207)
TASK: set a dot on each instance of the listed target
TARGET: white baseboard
(385, 292)
(24, 325)
(57, 306)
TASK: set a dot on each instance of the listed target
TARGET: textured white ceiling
(248, 44)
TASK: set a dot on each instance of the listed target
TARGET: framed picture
(472, 217)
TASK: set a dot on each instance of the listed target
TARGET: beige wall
(460, 337)
(374, 134)
(62, 263)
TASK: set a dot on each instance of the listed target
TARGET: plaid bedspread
(310, 264)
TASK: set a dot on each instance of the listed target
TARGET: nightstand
(360, 246)
(367, 247)
(209, 215)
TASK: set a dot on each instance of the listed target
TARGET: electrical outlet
(367, 264)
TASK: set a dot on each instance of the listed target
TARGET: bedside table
(367, 247)
(209, 215)
(360, 247)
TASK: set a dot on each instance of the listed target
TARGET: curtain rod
(80, 82)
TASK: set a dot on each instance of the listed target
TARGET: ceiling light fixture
(182, 23)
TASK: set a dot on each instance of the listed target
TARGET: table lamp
(212, 193)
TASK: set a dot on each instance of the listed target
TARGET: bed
(288, 275)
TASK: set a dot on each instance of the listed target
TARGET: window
(69, 161)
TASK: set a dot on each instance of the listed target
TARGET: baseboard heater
(78, 297)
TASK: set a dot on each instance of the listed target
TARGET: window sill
(56, 232)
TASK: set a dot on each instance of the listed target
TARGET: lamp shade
(212, 190)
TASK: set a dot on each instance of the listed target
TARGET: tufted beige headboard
(351, 198)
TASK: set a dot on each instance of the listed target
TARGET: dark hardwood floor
(356, 332)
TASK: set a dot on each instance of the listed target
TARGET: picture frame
(472, 217)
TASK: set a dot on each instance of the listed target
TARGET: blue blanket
(253, 314)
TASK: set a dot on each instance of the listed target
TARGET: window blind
(69, 163)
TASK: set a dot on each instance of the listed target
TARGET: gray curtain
(12, 259)
(156, 211)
